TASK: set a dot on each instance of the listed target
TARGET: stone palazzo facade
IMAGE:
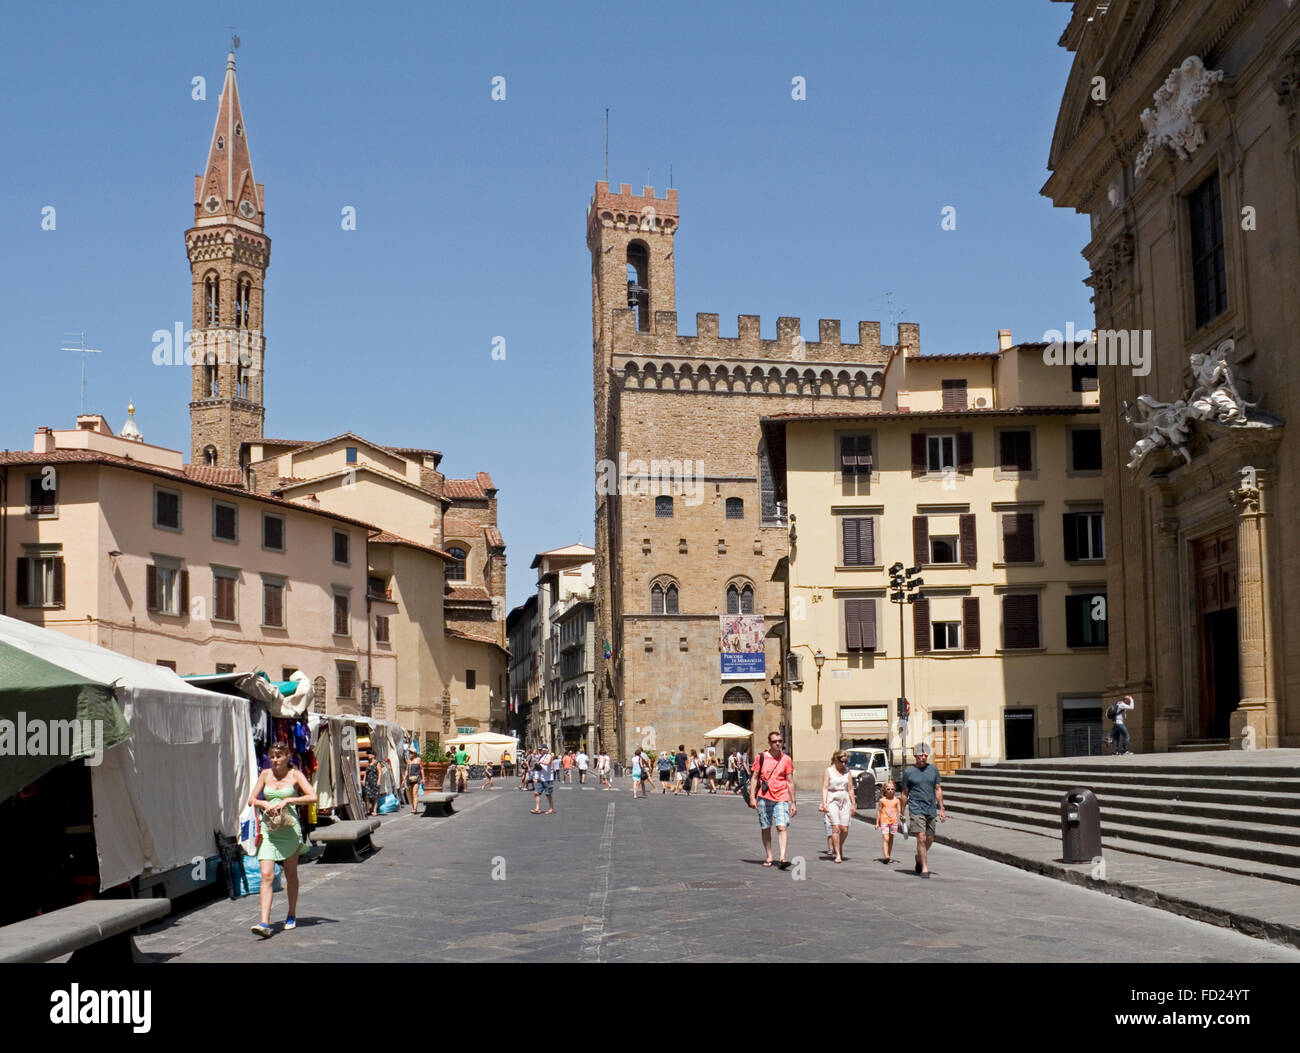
(1179, 135)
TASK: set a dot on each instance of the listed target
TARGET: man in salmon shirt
(771, 792)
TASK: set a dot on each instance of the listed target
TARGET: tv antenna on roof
(894, 315)
(81, 347)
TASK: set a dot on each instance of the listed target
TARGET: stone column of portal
(1254, 723)
(1170, 726)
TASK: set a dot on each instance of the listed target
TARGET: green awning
(50, 716)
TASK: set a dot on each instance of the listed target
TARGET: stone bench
(97, 932)
(442, 802)
(345, 842)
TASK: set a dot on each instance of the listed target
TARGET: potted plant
(434, 764)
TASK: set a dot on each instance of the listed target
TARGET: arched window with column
(663, 597)
(243, 295)
(211, 300)
(211, 385)
(740, 597)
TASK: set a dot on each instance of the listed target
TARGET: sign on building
(743, 647)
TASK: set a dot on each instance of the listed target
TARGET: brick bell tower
(630, 237)
(229, 252)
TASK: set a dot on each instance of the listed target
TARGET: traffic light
(904, 709)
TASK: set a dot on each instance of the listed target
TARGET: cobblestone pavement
(612, 878)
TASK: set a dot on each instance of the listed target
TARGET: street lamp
(820, 659)
(904, 587)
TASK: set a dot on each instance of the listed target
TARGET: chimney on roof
(1004, 339)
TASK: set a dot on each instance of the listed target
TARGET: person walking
(487, 777)
(371, 789)
(693, 772)
(1119, 729)
(567, 764)
(837, 803)
(639, 763)
(679, 762)
(583, 762)
(505, 764)
(711, 772)
(771, 793)
(731, 771)
(664, 762)
(923, 799)
(543, 782)
(887, 812)
(278, 792)
(414, 776)
(461, 757)
(602, 769)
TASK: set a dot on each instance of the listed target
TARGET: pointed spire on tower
(227, 190)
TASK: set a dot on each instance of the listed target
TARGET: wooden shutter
(151, 587)
(867, 541)
(920, 540)
(970, 623)
(921, 624)
(966, 528)
(1018, 537)
(918, 453)
(851, 548)
(965, 452)
(58, 581)
(852, 626)
(20, 582)
(1070, 526)
(867, 611)
(1020, 621)
(185, 594)
(954, 395)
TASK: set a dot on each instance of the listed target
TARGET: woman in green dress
(281, 842)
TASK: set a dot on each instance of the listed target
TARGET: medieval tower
(689, 537)
(229, 252)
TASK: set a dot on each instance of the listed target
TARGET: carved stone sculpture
(1171, 122)
(1214, 391)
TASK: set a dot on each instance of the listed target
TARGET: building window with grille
(347, 674)
(342, 545)
(663, 508)
(381, 628)
(456, 565)
(342, 614)
(740, 599)
(735, 508)
(663, 598)
(1085, 620)
(39, 578)
(1209, 282)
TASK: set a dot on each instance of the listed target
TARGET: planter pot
(434, 774)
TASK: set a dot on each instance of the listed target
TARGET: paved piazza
(610, 878)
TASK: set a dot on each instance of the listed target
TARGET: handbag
(280, 819)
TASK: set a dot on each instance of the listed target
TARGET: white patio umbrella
(729, 731)
(486, 746)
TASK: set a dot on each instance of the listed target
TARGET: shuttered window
(970, 621)
(921, 625)
(966, 530)
(860, 625)
(167, 589)
(42, 494)
(342, 619)
(920, 540)
(965, 452)
(1015, 451)
(855, 454)
(273, 605)
(1020, 621)
(954, 394)
(39, 581)
(918, 453)
(1018, 537)
(223, 598)
(859, 542)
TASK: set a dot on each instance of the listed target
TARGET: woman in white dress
(837, 801)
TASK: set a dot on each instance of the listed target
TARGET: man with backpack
(1118, 730)
(772, 794)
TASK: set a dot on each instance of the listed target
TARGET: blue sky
(470, 212)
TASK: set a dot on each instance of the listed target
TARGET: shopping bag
(253, 876)
(389, 804)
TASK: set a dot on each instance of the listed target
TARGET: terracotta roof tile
(494, 537)
(465, 488)
(484, 480)
(460, 634)
(203, 473)
(383, 537)
(468, 592)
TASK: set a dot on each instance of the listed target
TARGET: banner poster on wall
(743, 647)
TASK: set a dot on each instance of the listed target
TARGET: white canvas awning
(183, 776)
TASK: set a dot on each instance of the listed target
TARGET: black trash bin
(864, 792)
(1080, 826)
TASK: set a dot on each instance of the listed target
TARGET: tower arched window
(456, 566)
(243, 294)
(211, 300)
(210, 456)
(210, 382)
(638, 284)
(221, 142)
(663, 598)
(740, 599)
(242, 377)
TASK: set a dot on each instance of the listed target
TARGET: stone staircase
(1244, 821)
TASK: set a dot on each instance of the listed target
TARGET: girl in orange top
(887, 821)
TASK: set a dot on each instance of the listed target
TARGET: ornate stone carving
(1213, 398)
(1112, 272)
(1286, 81)
(1244, 499)
(1172, 122)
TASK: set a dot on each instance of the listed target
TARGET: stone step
(1213, 844)
(1190, 799)
(1279, 811)
(1257, 827)
(1093, 777)
(1230, 766)
(1202, 745)
(1227, 864)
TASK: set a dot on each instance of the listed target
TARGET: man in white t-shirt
(583, 762)
(1118, 730)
